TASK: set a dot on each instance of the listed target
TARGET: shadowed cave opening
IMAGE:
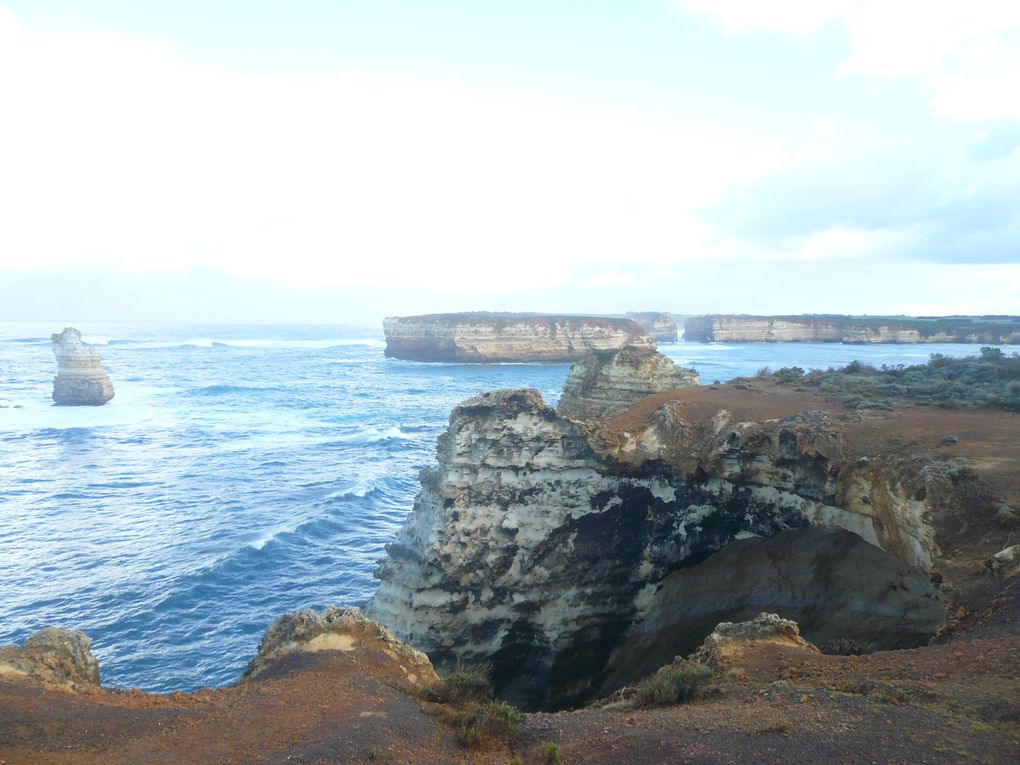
(832, 582)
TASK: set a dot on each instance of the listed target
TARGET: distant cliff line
(482, 337)
(994, 330)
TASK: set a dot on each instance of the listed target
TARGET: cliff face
(538, 542)
(793, 329)
(659, 325)
(80, 380)
(607, 382)
(489, 337)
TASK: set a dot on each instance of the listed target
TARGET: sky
(334, 161)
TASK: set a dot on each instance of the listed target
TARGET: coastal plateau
(507, 337)
(995, 330)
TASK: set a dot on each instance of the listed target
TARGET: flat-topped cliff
(659, 324)
(852, 329)
(80, 379)
(507, 337)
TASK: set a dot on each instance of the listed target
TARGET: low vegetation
(549, 753)
(464, 685)
(491, 722)
(991, 379)
(673, 684)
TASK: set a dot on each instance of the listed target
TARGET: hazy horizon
(314, 161)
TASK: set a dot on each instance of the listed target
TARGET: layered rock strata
(538, 542)
(605, 383)
(659, 325)
(80, 379)
(730, 640)
(506, 337)
(848, 329)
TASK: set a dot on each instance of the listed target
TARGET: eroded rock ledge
(506, 337)
(539, 542)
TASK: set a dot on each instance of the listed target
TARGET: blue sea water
(240, 472)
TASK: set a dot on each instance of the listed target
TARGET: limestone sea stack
(658, 324)
(507, 337)
(605, 383)
(80, 379)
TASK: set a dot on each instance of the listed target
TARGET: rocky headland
(565, 551)
(852, 329)
(658, 324)
(507, 337)
(80, 379)
(844, 580)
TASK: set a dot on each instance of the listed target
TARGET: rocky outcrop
(605, 383)
(80, 379)
(849, 329)
(659, 325)
(728, 641)
(52, 656)
(335, 629)
(506, 337)
(537, 542)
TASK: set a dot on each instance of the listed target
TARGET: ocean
(241, 472)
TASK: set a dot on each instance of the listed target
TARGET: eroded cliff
(605, 383)
(538, 542)
(506, 337)
(658, 324)
(850, 329)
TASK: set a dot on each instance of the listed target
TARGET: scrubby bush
(673, 684)
(843, 647)
(549, 753)
(492, 721)
(465, 684)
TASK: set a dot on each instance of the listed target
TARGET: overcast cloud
(684, 155)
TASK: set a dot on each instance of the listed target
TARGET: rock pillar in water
(80, 379)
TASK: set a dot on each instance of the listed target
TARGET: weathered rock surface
(80, 379)
(605, 383)
(506, 337)
(538, 542)
(52, 656)
(335, 629)
(848, 329)
(729, 640)
(659, 325)
(832, 583)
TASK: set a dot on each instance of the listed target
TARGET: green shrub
(673, 684)
(549, 753)
(480, 724)
(843, 647)
(465, 685)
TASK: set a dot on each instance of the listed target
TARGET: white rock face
(605, 383)
(80, 380)
(494, 337)
(537, 542)
(788, 329)
(658, 324)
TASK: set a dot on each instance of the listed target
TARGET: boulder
(52, 656)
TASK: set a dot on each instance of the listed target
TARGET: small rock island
(80, 379)
(484, 337)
